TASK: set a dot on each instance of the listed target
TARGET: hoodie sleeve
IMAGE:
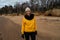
(35, 24)
(23, 23)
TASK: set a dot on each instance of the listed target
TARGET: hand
(35, 32)
(22, 35)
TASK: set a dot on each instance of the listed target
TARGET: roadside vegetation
(39, 7)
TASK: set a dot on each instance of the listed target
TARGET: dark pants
(30, 35)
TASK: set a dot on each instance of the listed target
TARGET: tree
(10, 9)
(6, 9)
(17, 7)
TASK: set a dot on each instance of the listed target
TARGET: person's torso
(29, 25)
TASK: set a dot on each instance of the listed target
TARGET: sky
(10, 2)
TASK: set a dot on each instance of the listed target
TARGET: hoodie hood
(29, 17)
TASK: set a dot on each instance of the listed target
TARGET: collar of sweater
(29, 17)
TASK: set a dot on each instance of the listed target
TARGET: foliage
(35, 5)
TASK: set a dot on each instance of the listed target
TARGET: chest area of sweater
(29, 22)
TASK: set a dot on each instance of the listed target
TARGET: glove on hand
(22, 35)
(35, 32)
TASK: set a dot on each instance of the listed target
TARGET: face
(28, 12)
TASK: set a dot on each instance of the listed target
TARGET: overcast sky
(10, 2)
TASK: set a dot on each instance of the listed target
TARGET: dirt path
(9, 30)
(48, 28)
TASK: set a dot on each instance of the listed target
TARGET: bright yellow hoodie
(28, 25)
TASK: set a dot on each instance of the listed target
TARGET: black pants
(30, 35)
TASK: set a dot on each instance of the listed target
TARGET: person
(29, 29)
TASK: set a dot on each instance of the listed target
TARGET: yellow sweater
(28, 25)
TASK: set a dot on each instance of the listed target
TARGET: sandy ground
(48, 28)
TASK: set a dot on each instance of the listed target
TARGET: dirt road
(8, 29)
(48, 28)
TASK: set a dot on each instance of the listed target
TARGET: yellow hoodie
(28, 25)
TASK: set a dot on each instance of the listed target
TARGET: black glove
(22, 35)
(35, 32)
